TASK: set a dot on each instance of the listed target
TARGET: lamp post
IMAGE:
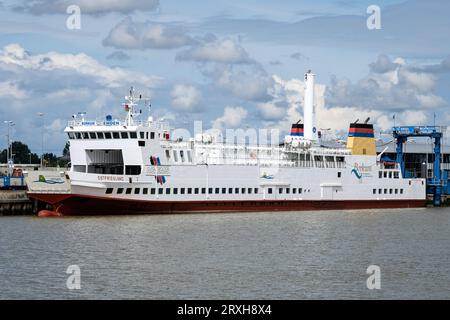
(9, 146)
(40, 114)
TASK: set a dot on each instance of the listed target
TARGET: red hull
(86, 205)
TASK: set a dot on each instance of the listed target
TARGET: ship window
(390, 191)
(167, 155)
(280, 191)
(196, 190)
(152, 135)
(142, 134)
(210, 190)
(182, 190)
(374, 191)
(109, 190)
(230, 190)
(236, 190)
(390, 174)
(182, 155)
(128, 191)
(137, 190)
(380, 174)
(92, 135)
(249, 190)
(175, 190)
(396, 175)
(141, 143)
(269, 191)
(288, 190)
(224, 190)
(256, 190)
(379, 191)
(100, 135)
(294, 190)
(385, 174)
(167, 190)
(146, 135)
(78, 135)
(339, 174)
(217, 190)
(175, 156)
(189, 156)
(385, 191)
(133, 135)
(401, 191)
(300, 190)
(160, 190)
(85, 135)
(189, 190)
(133, 170)
(71, 135)
(396, 191)
(124, 135)
(116, 135)
(145, 191)
(108, 135)
(79, 168)
(119, 190)
(152, 191)
(203, 190)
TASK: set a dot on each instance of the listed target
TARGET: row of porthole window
(387, 191)
(159, 191)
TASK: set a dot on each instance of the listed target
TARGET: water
(229, 256)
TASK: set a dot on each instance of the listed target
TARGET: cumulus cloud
(185, 97)
(232, 118)
(39, 7)
(129, 34)
(229, 67)
(214, 50)
(390, 85)
(60, 84)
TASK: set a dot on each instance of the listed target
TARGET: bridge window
(374, 191)
(294, 190)
(137, 190)
(396, 175)
(142, 134)
(133, 170)
(224, 190)
(124, 135)
(189, 190)
(269, 191)
(133, 135)
(182, 190)
(230, 190)
(78, 135)
(390, 174)
(152, 135)
(167, 190)
(100, 135)
(217, 190)
(256, 190)
(175, 190)
(119, 190)
(152, 191)
(196, 190)
(160, 190)
(236, 190)
(145, 191)
(401, 191)
(71, 135)
(128, 191)
(92, 135)
(108, 135)
(182, 155)
(116, 135)
(109, 190)
(85, 135)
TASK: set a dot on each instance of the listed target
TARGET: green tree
(21, 153)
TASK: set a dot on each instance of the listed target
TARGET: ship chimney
(309, 108)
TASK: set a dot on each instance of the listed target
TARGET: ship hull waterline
(70, 205)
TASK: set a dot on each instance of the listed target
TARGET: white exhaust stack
(309, 109)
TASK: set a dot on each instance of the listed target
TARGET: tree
(21, 154)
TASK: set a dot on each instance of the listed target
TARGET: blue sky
(228, 63)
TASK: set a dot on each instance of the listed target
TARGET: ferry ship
(134, 166)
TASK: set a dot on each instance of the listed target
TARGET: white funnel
(309, 109)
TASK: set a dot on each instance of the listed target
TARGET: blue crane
(401, 134)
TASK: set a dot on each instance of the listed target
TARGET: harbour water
(296, 255)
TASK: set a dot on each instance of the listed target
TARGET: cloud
(118, 55)
(39, 7)
(214, 50)
(59, 85)
(232, 118)
(299, 56)
(185, 97)
(129, 34)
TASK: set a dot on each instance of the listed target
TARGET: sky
(230, 64)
